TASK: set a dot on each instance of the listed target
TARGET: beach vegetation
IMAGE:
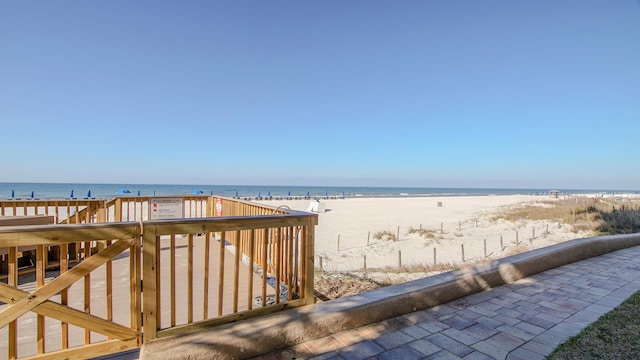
(425, 233)
(385, 235)
(602, 217)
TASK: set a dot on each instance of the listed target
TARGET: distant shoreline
(255, 192)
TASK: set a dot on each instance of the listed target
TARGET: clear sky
(516, 94)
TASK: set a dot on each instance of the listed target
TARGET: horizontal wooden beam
(69, 315)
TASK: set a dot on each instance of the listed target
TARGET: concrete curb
(264, 334)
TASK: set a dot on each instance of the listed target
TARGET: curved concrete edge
(290, 327)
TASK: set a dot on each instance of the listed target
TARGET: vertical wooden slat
(221, 274)
(207, 245)
(297, 259)
(252, 237)
(87, 213)
(109, 287)
(40, 274)
(265, 241)
(190, 281)
(117, 210)
(12, 273)
(172, 259)
(87, 291)
(236, 275)
(278, 262)
(290, 274)
(158, 292)
(64, 297)
(134, 284)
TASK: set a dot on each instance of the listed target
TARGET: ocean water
(108, 191)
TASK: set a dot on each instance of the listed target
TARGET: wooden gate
(71, 298)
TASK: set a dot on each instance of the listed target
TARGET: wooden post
(399, 258)
(368, 237)
(462, 247)
(517, 241)
(365, 264)
(338, 242)
(434, 256)
(398, 233)
(149, 274)
(310, 236)
(441, 228)
(534, 233)
(476, 222)
(547, 229)
(321, 267)
(485, 247)
(459, 225)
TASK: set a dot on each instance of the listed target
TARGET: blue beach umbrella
(138, 192)
(154, 193)
(289, 193)
(89, 194)
(326, 193)
(195, 192)
(71, 195)
(13, 194)
(308, 194)
(32, 194)
(236, 194)
(269, 194)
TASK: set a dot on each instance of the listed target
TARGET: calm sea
(108, 191)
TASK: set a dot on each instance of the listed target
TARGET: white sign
(166, 208)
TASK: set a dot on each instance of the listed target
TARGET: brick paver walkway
(523, 320)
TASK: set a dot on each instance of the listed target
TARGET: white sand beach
(345, 234)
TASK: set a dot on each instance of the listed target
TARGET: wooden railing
(173, 276)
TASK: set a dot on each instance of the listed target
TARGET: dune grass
(603, 217)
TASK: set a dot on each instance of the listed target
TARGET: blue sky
(517, 94)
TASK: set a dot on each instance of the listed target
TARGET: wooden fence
(137, 280)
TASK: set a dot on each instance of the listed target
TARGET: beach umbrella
(211, 193)
(289, 193)
(326, 193)
(123, 191)
(236, 194)
(138, 192)
(269, 193)
(13, 194)
(195, 192)
(89, 194)
(308, 194)
(258, 194)
(71, 195)
(32, 194)
(154, 193)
